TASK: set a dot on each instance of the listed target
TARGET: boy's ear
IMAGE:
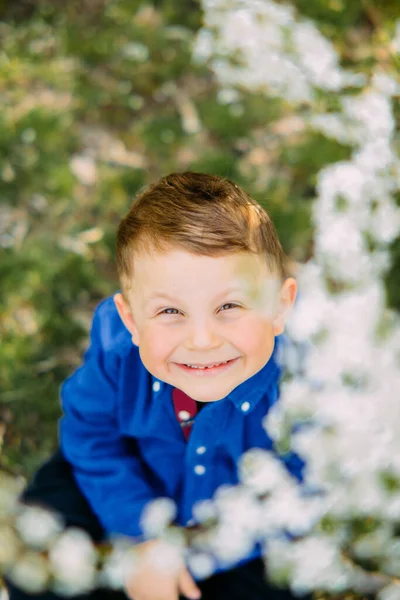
(287, 296)
(124, 311)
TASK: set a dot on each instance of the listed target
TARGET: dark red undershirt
(185, 410)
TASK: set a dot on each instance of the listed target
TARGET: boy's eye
(167, 313)
(230, 304)
(166, 310)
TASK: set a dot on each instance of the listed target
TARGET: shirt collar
(250, 392)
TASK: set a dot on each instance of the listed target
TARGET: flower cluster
(296, 58)
(38, 553)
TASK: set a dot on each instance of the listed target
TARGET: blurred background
(98, 98)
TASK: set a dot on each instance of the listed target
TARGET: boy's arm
(112, 478)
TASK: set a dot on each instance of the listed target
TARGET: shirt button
(245, 406)
(183, 415)
(156, 386)
(199, 469)
(201, 449)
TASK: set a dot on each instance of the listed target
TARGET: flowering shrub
(345, 517)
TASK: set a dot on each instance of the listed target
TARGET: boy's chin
(202, 390)
(206, 395)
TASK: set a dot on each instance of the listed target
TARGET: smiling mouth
(210, 367)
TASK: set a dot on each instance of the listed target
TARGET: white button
(245, 406)
(183, 415)
(156, 386)
(199, 470)
(201, 449)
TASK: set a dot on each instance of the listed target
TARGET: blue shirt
(120, 433)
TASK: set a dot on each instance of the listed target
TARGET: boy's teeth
(210, 367)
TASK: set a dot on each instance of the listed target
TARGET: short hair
(200, 213)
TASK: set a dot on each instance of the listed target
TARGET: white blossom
(372, 110)
(390, 592)
(119, 564)
(73, 558)
(230, 543)
(385, 84)
(204, 511)
(157, 515)
(288, 510)
(237, 509)
(376, 154)
(227, 96)
(37, 526)
(136, 51)
(201, 564)
(317, 56)
(318, 564)
(84, 168)
(10, 545)
(30, 573)
(259, 470)
(167, 555)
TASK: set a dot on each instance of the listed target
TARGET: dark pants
(54, 486)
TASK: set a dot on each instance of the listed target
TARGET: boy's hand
(152, 581)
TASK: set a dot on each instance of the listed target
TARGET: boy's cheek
(153, 353)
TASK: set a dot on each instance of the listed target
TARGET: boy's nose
(202, 336)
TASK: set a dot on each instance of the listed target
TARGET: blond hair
(200, 213)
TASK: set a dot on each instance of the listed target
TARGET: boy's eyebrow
(162, 295)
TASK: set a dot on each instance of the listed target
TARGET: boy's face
(180, 312)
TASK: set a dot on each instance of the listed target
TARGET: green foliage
(95, 103)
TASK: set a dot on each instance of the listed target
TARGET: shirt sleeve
(111, 476)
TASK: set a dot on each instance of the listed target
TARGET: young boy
(178, 376)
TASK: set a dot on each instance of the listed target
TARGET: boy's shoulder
(109, 329)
